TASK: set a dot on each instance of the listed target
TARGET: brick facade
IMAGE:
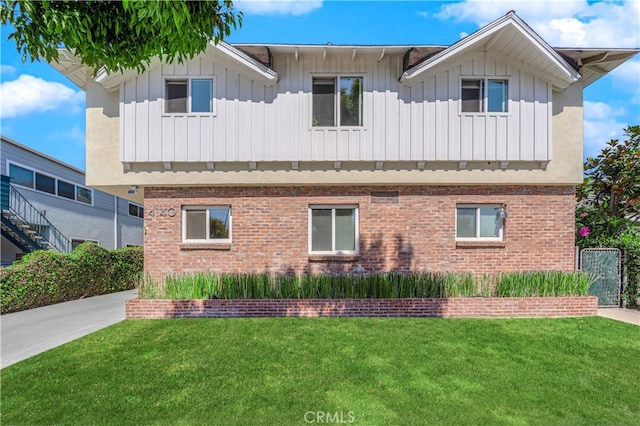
(402, 228)
(474, 307)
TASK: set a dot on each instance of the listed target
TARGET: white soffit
(260, 71)
(71, 67)
(596, 63)
(510, 38)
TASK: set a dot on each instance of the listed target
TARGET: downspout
(115, 221)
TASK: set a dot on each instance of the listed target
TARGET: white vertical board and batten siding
(256, 122)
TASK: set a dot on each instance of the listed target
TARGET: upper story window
(333, 230)
(485, 95)
(479, 222)
(41, 182)
(337, 101)
(21, 176)
(189, 96)
(45, 183)
(206, 224)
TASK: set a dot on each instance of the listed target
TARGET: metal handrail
(25, 211)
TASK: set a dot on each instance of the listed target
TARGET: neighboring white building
(46, 204)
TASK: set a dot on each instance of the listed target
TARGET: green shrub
(629, 244)
(45, 277)
(362, 286)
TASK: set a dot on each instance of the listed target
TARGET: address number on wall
(161, 212)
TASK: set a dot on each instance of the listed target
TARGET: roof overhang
(73, 68)
(255, 68)
(507, 37)
(596, 63)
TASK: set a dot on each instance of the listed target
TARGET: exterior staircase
(25, 226)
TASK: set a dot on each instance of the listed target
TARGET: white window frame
(207, 240)
(9, 163)
(56, 179)
(46, 175)
(477, 208)
(138, 207)
(336, 107)
(484, 92)
(333, 208)
(189, 79)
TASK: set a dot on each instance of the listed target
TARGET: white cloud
(278, 7)
(600, 111)
(7, 70)
(30, 94)
(627, 76)
(76, 135)
(601, 124)
(571, 23)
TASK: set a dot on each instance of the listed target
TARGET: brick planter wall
(476, 307)
(402, 228)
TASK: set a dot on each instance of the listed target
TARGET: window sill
(205, 246)
(334, 257)
(480, 244)
(188, 114)
(484, 114)
(336, 128)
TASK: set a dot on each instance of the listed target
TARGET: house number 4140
(161, 211)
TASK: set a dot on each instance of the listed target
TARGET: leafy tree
(612, 179)
(608, 213)
(117, 34)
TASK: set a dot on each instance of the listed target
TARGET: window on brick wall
(479, 222)
(206, 224)
(333, 229)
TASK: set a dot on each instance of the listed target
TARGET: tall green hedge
(45, 277)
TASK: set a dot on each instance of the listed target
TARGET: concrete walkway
(625, 315)
(28, 333)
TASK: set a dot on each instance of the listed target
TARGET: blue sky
(40, 108)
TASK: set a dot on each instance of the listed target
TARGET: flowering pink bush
(584, 231)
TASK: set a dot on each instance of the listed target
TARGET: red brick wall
(413, 232)
(474, 307)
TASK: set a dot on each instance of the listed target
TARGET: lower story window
(136, 210)
(76, 242)
(333, 229)
(479, 222)
(206, 224)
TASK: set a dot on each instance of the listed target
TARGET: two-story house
(316, 158)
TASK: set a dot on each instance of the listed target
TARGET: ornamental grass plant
(389, 285)
(542, 284)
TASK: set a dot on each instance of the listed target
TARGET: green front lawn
(371, 371)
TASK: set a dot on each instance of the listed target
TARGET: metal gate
(603, 267)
